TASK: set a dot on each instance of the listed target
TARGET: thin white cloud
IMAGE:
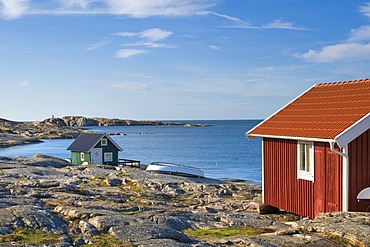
(125, 53)
(157, 45)
(130, 86)
(153, 34)
(13, 9)
(149, 38)
(360, 34)
(76, 3)
(97, 45)
(126, 34)
(25, 83)
(148, 8)
(365, 9)
(213, 47)
(339, 52)
(239, 22)
(279, 24)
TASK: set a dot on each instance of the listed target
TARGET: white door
(97, 156)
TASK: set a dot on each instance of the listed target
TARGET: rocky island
(68, 127)
(45, 201)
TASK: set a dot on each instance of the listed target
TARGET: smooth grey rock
(33, 217)
(141, 232)
(87, 229)
(45, 160)
(103, 223)
(176, 223)
(113, 181)
(161, 243)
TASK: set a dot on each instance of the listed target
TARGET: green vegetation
(187, 200)
(290, 217)
(108, 240)
(131, 186)
(99, 181)
(337, 240)
(226, 232)
(132, 212)
(30, 236)
(123, 174)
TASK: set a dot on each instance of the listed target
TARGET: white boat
(364, 194)
(170, 168)
(364, 197)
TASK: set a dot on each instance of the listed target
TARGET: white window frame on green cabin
(108, 154)
(82, 156)
(104, 142)
(306, 160)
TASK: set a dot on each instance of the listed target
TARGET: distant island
(67, 127)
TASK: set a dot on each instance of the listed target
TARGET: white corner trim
(353, 131)
(345, 179)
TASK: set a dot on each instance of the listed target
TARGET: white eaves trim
(353, 131)
(297, 138)
(250, 137)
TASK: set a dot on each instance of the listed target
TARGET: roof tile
(324, 111)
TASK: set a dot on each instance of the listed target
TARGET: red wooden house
(316, 150)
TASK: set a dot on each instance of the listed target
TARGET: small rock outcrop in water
(122, 206)
(80, 121)
(18, 133)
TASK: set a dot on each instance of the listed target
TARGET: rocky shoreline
(98, 205)
(69, 127)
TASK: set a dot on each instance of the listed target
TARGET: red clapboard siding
(359, 169)
(282, 189)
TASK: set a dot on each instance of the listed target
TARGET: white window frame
(82, 156)
(309, 172)
(111, 157)
(104, 142)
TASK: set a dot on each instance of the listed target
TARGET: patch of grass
(97, 181)
(132, 212)
(122, 174)
(30, 236)
(337, 240)
(52, 204)
(187, 201)
(244, 231)
(241, 197)
(108, 240)
(291, 217)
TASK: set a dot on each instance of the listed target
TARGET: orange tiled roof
(324, 111)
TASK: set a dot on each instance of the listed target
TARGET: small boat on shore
(170, 168)
(364, 197)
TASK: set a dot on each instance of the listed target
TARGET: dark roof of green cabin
(85, 142)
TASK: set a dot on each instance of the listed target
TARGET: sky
(171, 59)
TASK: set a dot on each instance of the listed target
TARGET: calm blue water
(221, 151)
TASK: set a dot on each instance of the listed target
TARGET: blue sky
(171, 59)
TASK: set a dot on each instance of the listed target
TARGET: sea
(221, 150)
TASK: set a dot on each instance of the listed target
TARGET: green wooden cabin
(94, 148)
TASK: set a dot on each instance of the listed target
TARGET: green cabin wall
(76, 158)
(110, 148)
